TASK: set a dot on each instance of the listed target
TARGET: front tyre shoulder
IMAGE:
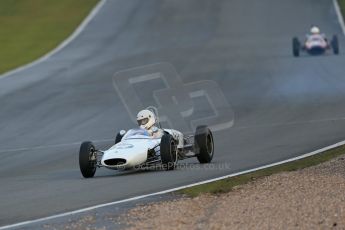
(87, 159)
(168, 152)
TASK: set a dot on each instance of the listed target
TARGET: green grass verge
(31, 28)
(342, 7)
(226, 185)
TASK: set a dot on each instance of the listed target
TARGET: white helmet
(315, 30)
(146, 119)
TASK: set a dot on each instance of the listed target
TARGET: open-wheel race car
(135, 148)
(315, 44)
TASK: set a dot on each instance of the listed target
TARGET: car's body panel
(316, 44)
(133, 150)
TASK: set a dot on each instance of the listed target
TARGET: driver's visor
(143, 121)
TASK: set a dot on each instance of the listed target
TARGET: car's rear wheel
(87, 159)
(335, 44)
(203, 144)
(296, 46)
(168, 151)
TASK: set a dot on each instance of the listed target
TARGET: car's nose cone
(126, 155)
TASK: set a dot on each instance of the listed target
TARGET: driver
(315, 32)
(147, 120)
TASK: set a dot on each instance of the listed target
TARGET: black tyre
(203, 144)
(118, 138)
(87, 159)
(335, 44)
(168, 152)
(296, 46)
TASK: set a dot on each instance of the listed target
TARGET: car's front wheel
(168, 152)
(87, 159)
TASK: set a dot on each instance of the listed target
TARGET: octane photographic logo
(181, 106)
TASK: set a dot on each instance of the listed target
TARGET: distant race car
(315, 44)
(137, 149)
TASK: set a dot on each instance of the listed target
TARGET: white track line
(169, 190)
(339, 15)
(62, 45)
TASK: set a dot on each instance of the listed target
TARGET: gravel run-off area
(311, 198)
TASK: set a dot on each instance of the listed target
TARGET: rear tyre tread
(335, 44)
(296, 46)
(204, 145)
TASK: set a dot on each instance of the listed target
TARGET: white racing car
(137, 149)
(315, 44)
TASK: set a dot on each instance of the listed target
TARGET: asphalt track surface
(283, 106)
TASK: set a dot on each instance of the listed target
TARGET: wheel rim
(92, 158)
(209, 144)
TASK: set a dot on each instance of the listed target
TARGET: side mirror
(122, 132)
